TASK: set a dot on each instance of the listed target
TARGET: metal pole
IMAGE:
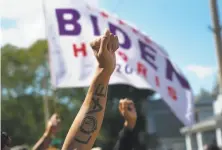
(217, 35)
(45, 100)
(45, 86)
(46, 92)
(46, 110)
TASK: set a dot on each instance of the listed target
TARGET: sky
(180, 26)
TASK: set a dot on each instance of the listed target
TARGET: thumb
(104, 41)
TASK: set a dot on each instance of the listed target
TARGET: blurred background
(182, 27)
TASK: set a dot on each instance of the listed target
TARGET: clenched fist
(53, 124)
(128, 111)
(104, 50)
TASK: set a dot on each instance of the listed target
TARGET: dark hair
(5, 140)
(213, 147)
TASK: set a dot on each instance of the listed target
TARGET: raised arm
(127, 136)
(87, 123)
(51, 130)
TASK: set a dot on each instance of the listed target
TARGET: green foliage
(25, 80)
(205, 95)
(22, 119)
(216, 89)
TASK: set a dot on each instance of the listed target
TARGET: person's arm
(86, 126)
(51, 129)
(43, 143)
(126, 140)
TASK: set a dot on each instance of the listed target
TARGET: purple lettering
(148, 54)
(95, 25)
(170, 70)
(118, 68)
(126, 42)
(70, 21)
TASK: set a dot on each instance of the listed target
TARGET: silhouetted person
(127, 136)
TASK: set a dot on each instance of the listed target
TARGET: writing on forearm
(88, 126)
(89, 123)
(101, 90)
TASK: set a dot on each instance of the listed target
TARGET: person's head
(5, 141)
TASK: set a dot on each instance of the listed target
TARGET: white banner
(141, 62)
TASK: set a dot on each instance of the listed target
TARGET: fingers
(108, 41)
(96, 44)
(132, 107)
(107, 32)
(58, 119)
(126, 105)
(116, 43)
(55, 119)
(126, 100)
(110, 45)
(113, 43)
(104, 41)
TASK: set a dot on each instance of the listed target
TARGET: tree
(21, 118)
(208, 95)
(215, 90)
(23, 75)
(204, 95)
(20, 68)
